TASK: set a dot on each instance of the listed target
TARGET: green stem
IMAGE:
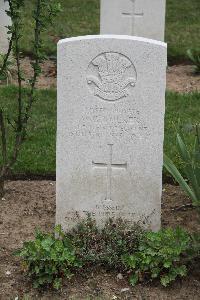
(7, 55)
(36, 62)
(3, 169)
(3, 139)
(16, 36)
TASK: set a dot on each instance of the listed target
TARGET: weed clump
(140, 254)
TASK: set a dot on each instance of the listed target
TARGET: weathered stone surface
(4, 21)
(145, 18)
(111, 99)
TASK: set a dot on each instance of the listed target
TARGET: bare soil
(31, 204)
(180, 78)
(48, 77)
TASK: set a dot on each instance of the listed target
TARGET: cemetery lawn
(31, 204)
(80, 17)
(38, 155)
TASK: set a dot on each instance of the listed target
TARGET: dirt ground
(31, 204)
(180, 78)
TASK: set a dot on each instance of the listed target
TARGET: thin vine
(43, 14)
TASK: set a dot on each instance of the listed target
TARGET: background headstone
(145, 18)
(4, 21)
(111, 99)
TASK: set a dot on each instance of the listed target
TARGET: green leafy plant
(105, 246)
(48, 259)
(194, 56)
(159, 256)
(191, 167)
(146, 255)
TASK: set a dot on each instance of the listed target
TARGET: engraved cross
(133, 15)
(109, 166)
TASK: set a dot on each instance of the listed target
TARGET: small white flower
(125, 290)
(8, 273)
(119, 276)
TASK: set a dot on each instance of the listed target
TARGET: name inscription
(100, 122)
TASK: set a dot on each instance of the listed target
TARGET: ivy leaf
(57, 283)
(167, 264)
(134, 279)
(182, 270)
(165, 280)
(58, 246)
(47, 243)
(155, 272)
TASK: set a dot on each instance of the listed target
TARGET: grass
(78, 17)
(183, 110)
(182, 27)
(82, 17)
(38, 152)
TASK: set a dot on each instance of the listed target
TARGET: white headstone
(111, 100)
(145, 18)
(4, 21)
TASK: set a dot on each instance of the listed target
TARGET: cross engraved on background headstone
(133, 15)
(109, 166)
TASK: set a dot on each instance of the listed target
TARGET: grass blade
(182, 149)
(171, 168)
(190, 165)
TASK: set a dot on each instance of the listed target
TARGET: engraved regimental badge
(111, 76)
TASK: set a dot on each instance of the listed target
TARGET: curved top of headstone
(112, 36)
